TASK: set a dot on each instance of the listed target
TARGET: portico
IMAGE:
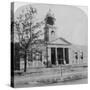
(58, 53)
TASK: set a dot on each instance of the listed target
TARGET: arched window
(52, 34)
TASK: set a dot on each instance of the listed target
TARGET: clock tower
(49, 29)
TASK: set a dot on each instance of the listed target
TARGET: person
(76, 56)
(81, 57)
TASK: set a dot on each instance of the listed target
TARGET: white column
(49, 54)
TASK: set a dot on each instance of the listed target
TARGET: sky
(71, 21)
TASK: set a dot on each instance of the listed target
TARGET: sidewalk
(45, 76)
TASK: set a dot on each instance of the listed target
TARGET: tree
(25, 28)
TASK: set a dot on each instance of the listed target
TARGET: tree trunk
(25, 62)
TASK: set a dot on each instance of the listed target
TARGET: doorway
(60, 55)
(66, 56)
(53, 56)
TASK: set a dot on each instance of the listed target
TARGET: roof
(60, 41)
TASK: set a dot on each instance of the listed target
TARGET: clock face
(50, 20)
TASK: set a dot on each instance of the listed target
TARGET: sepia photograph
(49, 44)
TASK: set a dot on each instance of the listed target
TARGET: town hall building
(53, 51)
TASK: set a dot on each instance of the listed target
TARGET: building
(52, 51)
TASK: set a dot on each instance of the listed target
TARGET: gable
(61, 41)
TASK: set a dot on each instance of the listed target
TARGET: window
(52, 34)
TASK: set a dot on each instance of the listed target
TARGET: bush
(47, 64)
